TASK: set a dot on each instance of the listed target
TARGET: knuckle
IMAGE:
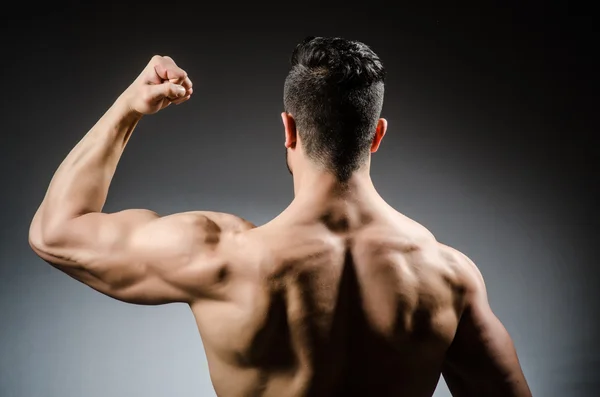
(146, 94)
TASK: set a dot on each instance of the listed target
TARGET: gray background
(489, 145)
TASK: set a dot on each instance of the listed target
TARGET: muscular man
(339, 295)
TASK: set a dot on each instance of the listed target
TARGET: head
(333, 96)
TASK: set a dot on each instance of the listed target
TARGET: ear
(289, 124)
(379, 133)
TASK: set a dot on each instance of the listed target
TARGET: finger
(187, 96)
(187, 83)
(166, 69)
(166, 90)
(181, 100)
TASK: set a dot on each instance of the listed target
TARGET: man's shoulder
(467, 273)
(198, 231)
(212, 221)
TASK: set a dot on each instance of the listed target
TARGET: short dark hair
(334, 91)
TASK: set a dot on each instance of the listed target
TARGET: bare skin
(340, 295)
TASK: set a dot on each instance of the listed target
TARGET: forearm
(80, 184)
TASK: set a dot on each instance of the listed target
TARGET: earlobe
(289, 125)
(379, 134)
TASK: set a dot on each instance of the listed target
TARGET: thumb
(166, 90)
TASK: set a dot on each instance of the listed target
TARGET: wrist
(123, 106)
(120, 119)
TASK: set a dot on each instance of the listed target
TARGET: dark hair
(334, 91)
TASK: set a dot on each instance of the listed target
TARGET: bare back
(333, 307)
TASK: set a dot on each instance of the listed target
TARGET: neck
(314, 186)
(341, 206)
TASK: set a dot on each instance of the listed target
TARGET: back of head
(334, 91)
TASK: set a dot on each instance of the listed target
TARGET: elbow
(51, 242)
(36, 238)
(38, 241)
(42, 239)
(47, 246)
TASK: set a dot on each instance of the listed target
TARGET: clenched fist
(161, 83)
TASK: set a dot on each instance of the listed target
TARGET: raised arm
(134, 255)
(482, 360)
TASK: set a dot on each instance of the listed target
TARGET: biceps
(119, 255)
(91, 237)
